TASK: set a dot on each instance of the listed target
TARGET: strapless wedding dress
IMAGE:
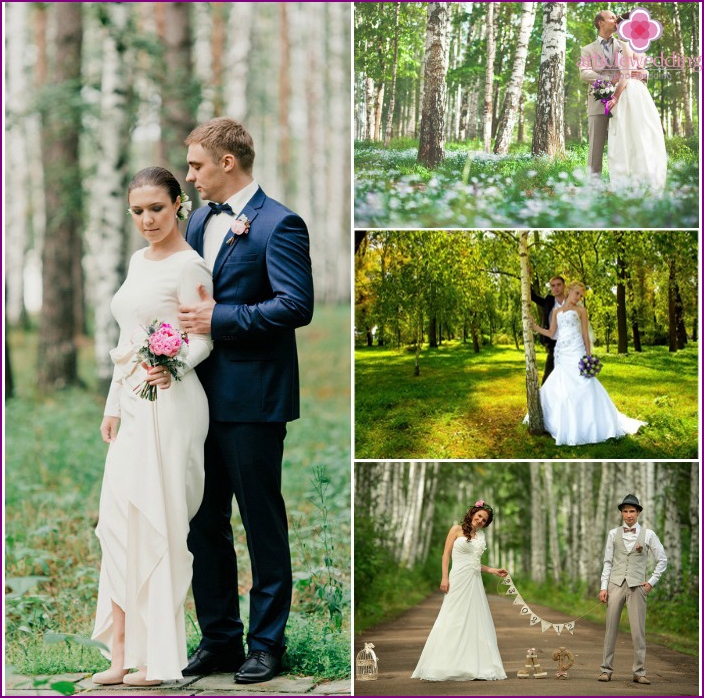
(462, 644)
(578, 410)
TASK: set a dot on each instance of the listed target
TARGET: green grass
(467, 405)
(471, 189)
(53, 471)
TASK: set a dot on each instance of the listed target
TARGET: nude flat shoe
(110, 677)
(139, 678)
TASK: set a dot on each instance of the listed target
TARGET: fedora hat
(630, 500)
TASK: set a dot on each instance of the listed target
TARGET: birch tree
(514, 89)
(694, 527)
(549, 128)
(489, 76)
(107, 233)
(432, 126)
(553, 536)
(537, 525)
(394, 71)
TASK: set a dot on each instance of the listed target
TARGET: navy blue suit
(263, 290)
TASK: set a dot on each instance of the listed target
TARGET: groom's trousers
(635, 599)
(598, 135)
(244, 459)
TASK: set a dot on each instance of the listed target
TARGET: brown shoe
(640, 679)
(604, 677)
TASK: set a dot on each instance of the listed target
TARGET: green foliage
(472, 189)
(53, 472)
(400, 415)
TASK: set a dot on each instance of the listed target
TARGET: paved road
(399, 644)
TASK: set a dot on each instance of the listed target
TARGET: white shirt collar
(240, 199)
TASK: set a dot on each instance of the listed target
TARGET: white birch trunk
(553, 539)
(537, 525)
(512, 95)
(549, 129)
(236, 79)
(586, 547)
(671, 534)
(17, 209)
(535, 411)
(694, 527)
(106, 236)
(369, 102)
(489, 76)
(203, 47)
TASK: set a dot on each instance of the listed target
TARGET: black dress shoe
(258, 667)
(203, 662)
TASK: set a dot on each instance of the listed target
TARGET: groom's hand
(603, 596)
(197, 318)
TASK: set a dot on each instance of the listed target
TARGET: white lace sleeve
(195, 273)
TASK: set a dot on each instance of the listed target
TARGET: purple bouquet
(603, 91)
(589, 366)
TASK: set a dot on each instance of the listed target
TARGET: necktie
(221, 208)
(629, 530)
(608, 44)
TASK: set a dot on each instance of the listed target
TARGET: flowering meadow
(472, 189)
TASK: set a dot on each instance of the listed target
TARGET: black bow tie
(629, 530)
(221, 208)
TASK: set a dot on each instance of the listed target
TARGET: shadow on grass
(468, 405)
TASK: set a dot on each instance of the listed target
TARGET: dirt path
(399, 644)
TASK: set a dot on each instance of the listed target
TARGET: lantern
(366, 664)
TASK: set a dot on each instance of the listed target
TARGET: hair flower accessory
(480, 503)
(185, 208)
(239, 227)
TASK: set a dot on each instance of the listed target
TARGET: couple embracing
(629, 120)
(237, 288)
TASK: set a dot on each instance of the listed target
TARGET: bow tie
(629, 530)
(221, 208)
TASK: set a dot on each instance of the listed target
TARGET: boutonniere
(639, 548)
(239, 227)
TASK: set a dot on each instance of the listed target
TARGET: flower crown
(482, 505)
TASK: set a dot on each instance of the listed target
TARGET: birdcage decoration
(366, 665)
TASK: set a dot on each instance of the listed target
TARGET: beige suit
(595, 66)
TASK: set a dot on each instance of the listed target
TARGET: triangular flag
(506, 580)
(526, 611)
(512, 590)
(558, 627)
(534, 619)
(545, 624)
(518, 601)
(570, 627)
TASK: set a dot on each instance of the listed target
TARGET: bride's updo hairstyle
(467, 521)
(156, 177)
(623, 17)
(576, 284)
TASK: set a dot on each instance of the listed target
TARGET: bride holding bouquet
(576, 407)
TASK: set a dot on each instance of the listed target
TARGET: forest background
(94, 92)
(474, 115)
(447, 364)
(549, 530)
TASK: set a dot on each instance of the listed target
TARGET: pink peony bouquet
(161, 348)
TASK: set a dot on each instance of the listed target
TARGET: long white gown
(153, 480)
(637, 155)
(462, 644)
(578, 410)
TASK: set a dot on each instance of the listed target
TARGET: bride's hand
(445, 586)
(158, 376)
(612, 103)
(108, 428)
(502, 572)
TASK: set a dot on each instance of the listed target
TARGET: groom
(263, 290)
(623, 581)
(547, 305)
(599, 62)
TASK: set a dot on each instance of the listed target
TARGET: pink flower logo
(640, 30)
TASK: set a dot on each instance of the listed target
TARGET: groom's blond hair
(224, 135)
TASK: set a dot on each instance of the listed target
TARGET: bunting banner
(534, 618)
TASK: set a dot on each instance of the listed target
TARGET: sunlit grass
(53, 471)
(471, 405)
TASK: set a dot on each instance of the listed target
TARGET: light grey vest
(629, 566)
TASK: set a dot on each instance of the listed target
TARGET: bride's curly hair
(467, 528)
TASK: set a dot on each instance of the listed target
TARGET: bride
(462, 644)
(637, 152)
(576, 409)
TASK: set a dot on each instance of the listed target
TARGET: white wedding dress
(462, 644)
(153, 480)
(578, 410)
(637, 155)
